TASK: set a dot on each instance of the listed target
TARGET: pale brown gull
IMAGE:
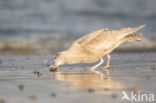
(95, 45)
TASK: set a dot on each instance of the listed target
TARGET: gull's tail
(128, 31)
(131, 37)
(138, 28)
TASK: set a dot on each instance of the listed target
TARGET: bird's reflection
(89, 80)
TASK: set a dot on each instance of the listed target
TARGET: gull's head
(59, 59)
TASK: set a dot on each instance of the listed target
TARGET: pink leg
(107, 65)
(94, 67)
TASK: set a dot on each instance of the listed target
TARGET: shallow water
(74, 83)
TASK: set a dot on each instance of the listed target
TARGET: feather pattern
(103, 41)
(97, 44)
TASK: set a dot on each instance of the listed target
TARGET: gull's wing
(89, 37)
(102, 41)
(105, 39)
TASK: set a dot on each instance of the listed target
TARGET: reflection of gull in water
(89, 80)
(92, 47)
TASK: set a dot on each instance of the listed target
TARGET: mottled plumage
(95, 45)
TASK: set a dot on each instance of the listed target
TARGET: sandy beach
(27, 79)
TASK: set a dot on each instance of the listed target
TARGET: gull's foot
(92, 69)
(106, 67)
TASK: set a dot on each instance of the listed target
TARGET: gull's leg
(107, 65)
(94, 67)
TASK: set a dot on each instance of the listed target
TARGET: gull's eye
(55, 57)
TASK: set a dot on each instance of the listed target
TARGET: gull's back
(103, 41)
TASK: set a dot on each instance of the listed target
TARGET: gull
(96, 45)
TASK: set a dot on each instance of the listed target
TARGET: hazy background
(47, 26)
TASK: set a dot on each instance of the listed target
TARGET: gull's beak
(53, 67)
(55, 64)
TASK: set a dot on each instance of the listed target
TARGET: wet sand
(27, 79)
